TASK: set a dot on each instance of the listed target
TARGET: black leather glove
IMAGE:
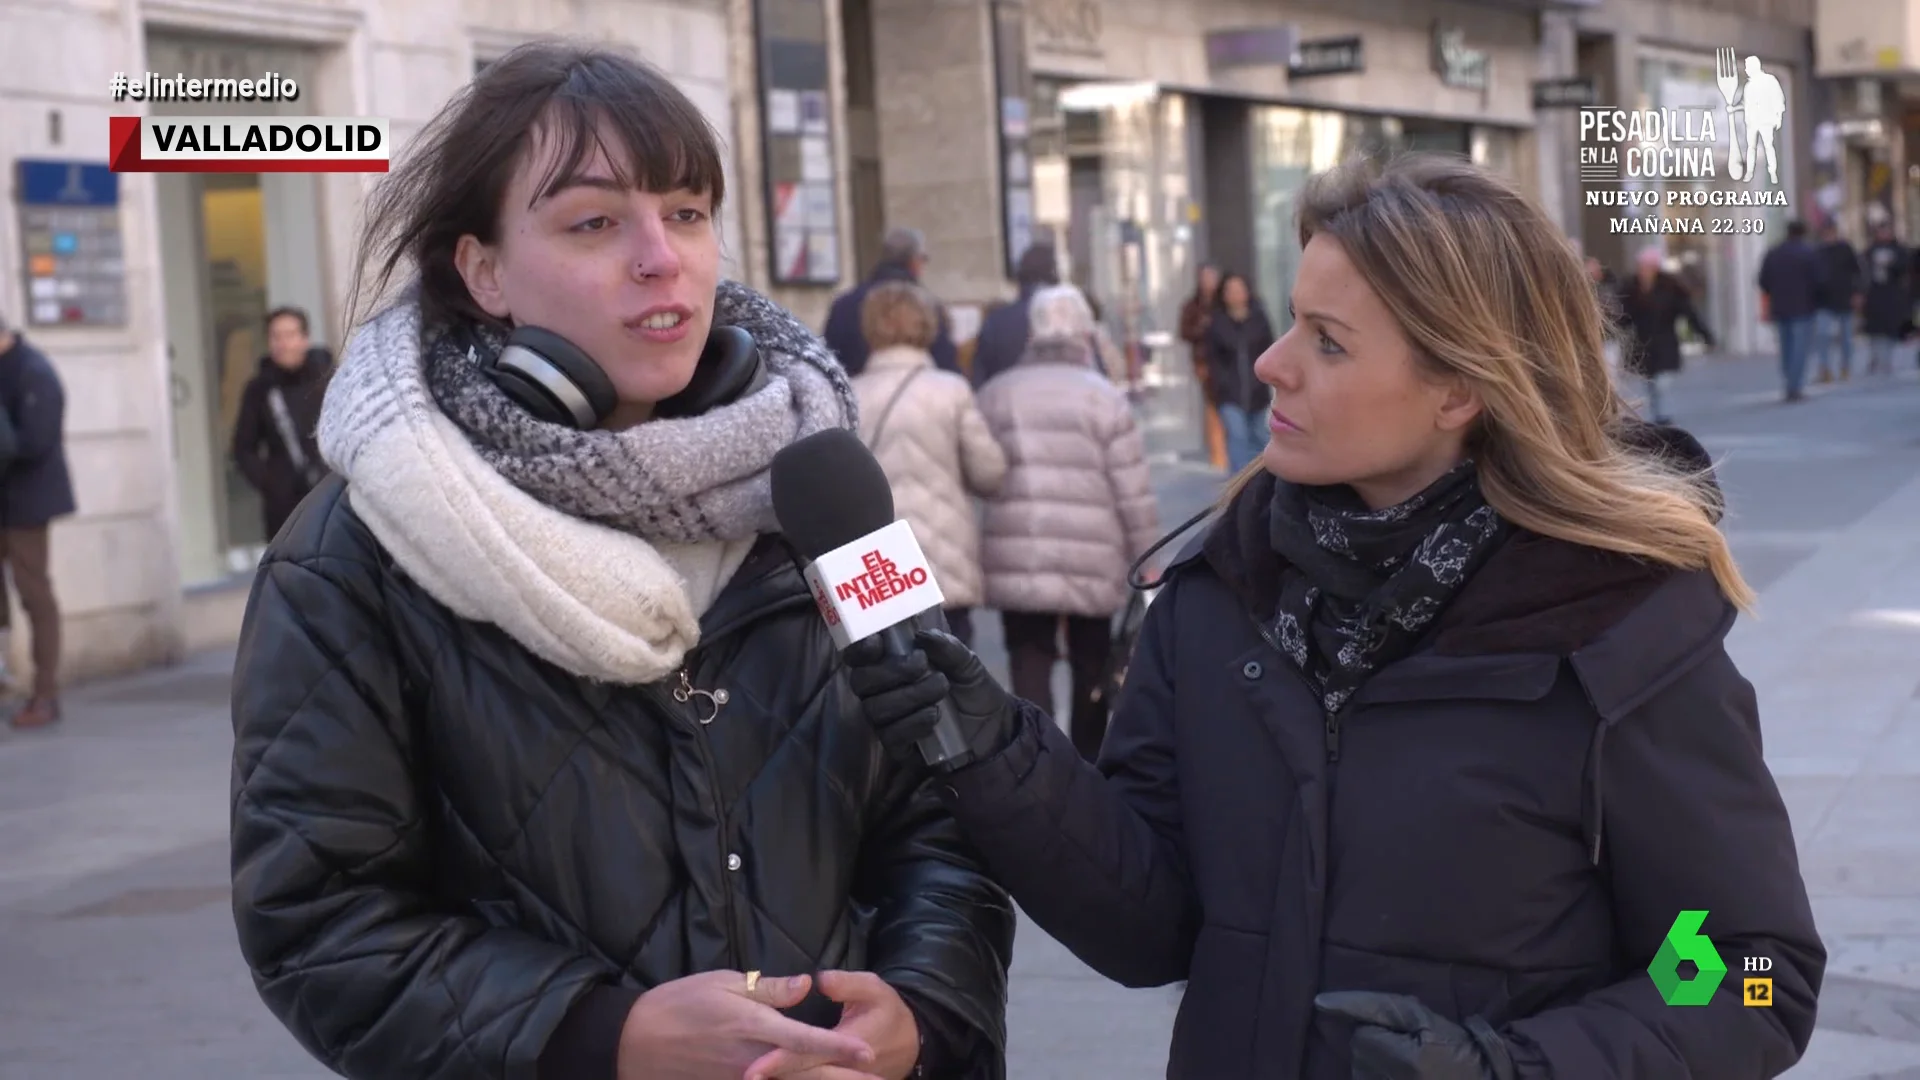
(901, 695)
(1401, 1039)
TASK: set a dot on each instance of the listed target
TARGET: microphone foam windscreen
(828, 491)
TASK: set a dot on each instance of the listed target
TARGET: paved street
(116, 946)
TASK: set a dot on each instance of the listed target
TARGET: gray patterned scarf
(1361, 585)
(682, 480)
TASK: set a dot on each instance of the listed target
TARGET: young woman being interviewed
(1431, 737)
(545, 764)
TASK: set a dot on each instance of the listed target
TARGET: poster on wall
(797, 139)
(71, 244)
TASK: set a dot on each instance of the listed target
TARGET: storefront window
(1113, 187)
(1290, 145)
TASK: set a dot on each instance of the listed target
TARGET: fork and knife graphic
(1726, 72)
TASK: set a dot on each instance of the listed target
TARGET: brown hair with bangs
(453, 179)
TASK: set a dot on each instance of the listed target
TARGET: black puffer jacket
(1503, 824)
(444, 846)
(1232, 346)
(36, 486)
(261, 452)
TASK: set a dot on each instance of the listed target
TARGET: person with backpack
(927, 432)
(273, 439)
(36, 488)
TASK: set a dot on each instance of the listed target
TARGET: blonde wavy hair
(1487, 289)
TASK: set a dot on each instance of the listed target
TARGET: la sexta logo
(1685, 942)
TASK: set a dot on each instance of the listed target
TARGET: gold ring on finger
(753, 981)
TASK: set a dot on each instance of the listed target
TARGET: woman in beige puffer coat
(925, 429)
(1075, 511)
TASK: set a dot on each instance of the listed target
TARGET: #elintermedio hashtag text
(151, 86)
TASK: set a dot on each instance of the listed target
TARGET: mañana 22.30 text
(1690, 225)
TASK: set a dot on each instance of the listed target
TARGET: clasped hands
(726, 1025)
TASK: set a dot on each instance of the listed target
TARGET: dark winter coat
(1003, 337)
(1790, 276)
(443, 846)
(1889, 299)
(1839, 276)
(848, 342)
(1196, 316)
(1439, 841)
(1232, 347)
(1649, 317)
(36, 487)
(260, 451)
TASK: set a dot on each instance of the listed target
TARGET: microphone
(865, 569)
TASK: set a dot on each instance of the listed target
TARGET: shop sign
(1327, 56)
(70, 233)
(1257, 46)
(1575, 93)
(1066, 26)
(1457, 64)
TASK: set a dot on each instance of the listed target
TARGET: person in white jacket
(922, 424)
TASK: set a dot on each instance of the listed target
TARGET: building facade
(1144, 137)
(159, 557)
(1867, 142)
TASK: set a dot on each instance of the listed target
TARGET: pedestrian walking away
(1887, 306)
(1431, 742)
(1789, 298)
(903, 257)
(1839, 303)
(1076, 508)
(274, 443)
(1004, 331)
(1651, 303)
(36, 489)
(545, 766)
(925, 429)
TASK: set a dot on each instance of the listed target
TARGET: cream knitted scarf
(601, 602)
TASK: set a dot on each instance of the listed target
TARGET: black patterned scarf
(1361, 585)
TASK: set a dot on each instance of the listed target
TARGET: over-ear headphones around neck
(557, 382)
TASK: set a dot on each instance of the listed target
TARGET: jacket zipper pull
(1333, 737)
(686, 692)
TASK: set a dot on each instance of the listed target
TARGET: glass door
(233, 223)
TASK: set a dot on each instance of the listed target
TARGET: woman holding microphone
(1431, 737)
